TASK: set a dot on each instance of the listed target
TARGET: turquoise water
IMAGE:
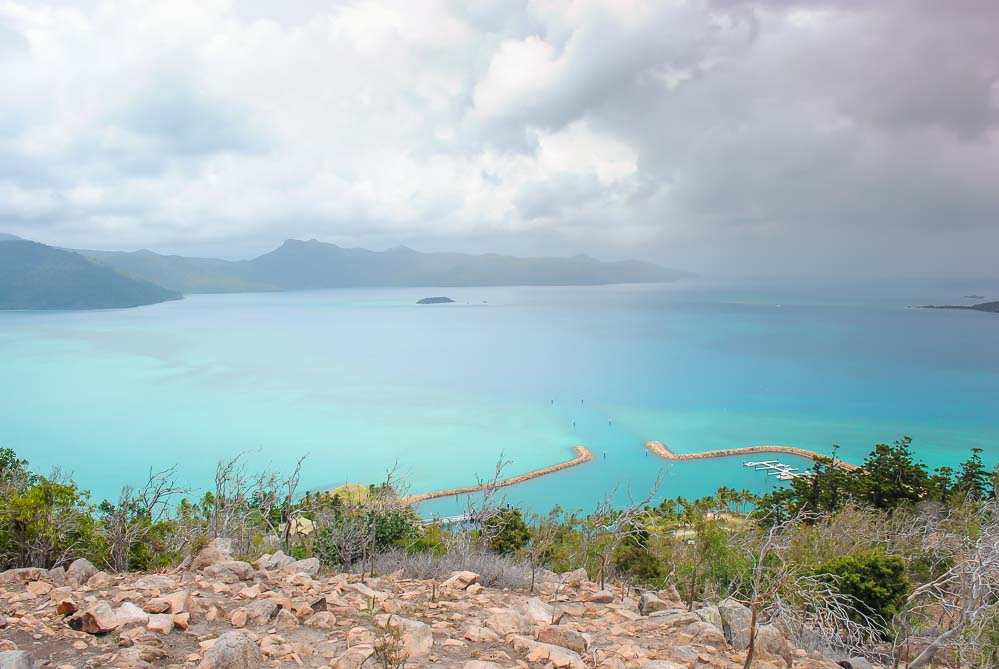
(360, 379)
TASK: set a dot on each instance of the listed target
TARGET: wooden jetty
(776, 468)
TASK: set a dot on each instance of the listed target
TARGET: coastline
(583, 455)
(663, 451)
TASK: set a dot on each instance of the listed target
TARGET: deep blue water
(361, 379)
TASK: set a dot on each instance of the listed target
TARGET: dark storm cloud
(719, 135)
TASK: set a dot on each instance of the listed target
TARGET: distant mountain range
(298, 265)
(35, 276)
(42, 272)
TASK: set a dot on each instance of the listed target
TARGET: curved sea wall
(663, 451)
(583, 455)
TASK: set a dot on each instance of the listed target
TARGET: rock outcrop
(220, 613)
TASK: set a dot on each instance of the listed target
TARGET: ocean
(363, 380)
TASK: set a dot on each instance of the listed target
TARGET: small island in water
(435, 300)
(989, 307)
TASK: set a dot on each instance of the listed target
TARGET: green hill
(36, 276)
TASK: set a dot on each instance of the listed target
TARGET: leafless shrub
(132, 518)
(807, 608)
(494, 570)
(814, 615)
(608, 526)
(964, 598)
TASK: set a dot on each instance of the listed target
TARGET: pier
(663, 451)
(775, 468)
(450, 520)
(583, 454)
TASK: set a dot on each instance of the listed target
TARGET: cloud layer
(719, 136)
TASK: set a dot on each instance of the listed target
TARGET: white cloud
(667, 130)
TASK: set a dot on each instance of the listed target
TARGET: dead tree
(966, 595)
(134, 516)
(607, 527)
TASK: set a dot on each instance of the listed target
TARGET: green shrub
(507, 531)
(349, 535)
(430, 540)
(876, 582)
(43, 521)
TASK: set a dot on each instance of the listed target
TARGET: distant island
(974, 297)
(435, 300)
(36, 276)
(988, 307)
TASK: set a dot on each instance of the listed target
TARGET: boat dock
(449, 520)
(776, 468)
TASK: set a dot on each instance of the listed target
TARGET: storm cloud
(767, 137)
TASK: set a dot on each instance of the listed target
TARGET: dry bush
(495, 571)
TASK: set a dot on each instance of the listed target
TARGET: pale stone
(735, 623)
(130, 614)
(505, 622)
(161, 623)
(601, 597)
(417, 637)
(218, 550)
(179, 601)
(274, 562)
(97, 619)
(238, 618)
(285, 618)
(353, 658)
(544, 652)
(155, 582)
(710, 614)
(706, 634)
(23, 575)
(575, 578)
(100, 580)
(560, 635)
(538, 612)
(233, 650)
(231, 571)
(16, 659)
(79, 572)
(322, 620)
(649, 603)
(67, 607)
(157, 605)
(308, 566)
(481, 634)
(460, 580)
(38, 588)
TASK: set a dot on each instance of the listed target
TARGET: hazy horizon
(720, 137)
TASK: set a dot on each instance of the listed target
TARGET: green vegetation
(35, 276)
(876, 582)
(860, 561)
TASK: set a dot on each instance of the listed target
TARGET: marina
(775, 468)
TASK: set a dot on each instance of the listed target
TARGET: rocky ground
(218, 613)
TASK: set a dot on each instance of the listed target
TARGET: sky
(776, 137)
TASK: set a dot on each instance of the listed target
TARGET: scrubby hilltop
(219, 613)
(36, 276)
